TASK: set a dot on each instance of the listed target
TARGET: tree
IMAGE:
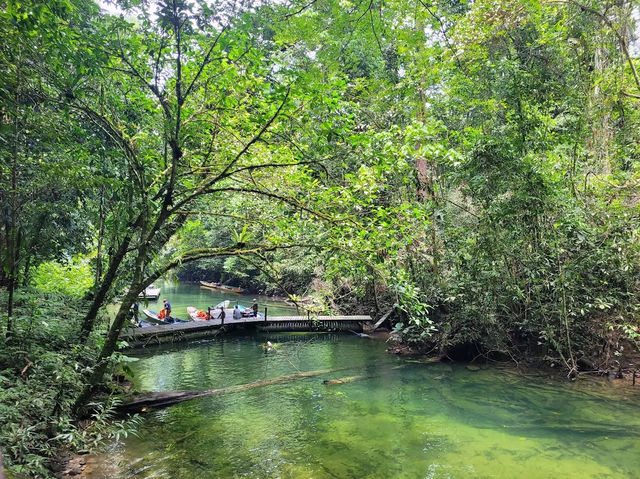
(43, 159)
(199, 110)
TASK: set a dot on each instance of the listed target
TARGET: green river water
(182, 295)
(405, 419)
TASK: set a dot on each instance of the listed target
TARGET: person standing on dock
(134, 313)
(236, 313)
(254, 307)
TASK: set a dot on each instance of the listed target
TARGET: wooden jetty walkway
(169, 333)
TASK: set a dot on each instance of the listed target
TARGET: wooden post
(265, 314)
(221, 316)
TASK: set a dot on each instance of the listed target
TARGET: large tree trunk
(10, 268)
(13, 273)
(108, 349)
(11, 225)
(100, 240)
(105, 286)
(137, 284)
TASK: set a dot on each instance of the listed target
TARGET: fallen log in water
(162, 399)
(349, 379)
(167, 398)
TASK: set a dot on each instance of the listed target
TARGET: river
(182, 295)
(402, 418)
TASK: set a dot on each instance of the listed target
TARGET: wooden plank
(193, 327)
(383, 318)
(277, 319)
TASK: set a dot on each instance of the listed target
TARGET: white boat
(194, 314)
(153, 316)
(214, 311)
(248, 312)
(150, 292)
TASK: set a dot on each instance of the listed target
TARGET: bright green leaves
(73, 279)
(413, 302)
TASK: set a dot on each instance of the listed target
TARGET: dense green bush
(71, 279)
(42, 370)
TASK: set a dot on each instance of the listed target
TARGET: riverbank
(627, 373)
(42, 371)
(54, 334)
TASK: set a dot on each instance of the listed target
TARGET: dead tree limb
(168, 398)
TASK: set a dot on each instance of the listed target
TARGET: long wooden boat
(223, 287)
(231, 289)
(248, 312)
(195, 313)
(153, 317)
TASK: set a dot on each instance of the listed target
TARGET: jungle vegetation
(473, 165)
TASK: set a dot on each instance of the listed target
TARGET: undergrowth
(43, 366)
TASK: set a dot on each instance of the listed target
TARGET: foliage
(40, 378)
(473, 163)
(73, 279)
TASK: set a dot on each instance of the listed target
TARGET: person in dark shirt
(134, 313)
(254, 307)
(167, 310)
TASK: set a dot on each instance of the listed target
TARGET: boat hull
(230, 289)
(223, 287)
(153, 318)
(193, 314)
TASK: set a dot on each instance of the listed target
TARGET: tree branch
(205, 253)
(291, 201)
(300, 10)
(609, 23)
(241, 153)
(205, 62)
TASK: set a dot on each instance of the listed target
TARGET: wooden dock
(169, 333)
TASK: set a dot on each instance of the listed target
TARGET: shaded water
(409, 420)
